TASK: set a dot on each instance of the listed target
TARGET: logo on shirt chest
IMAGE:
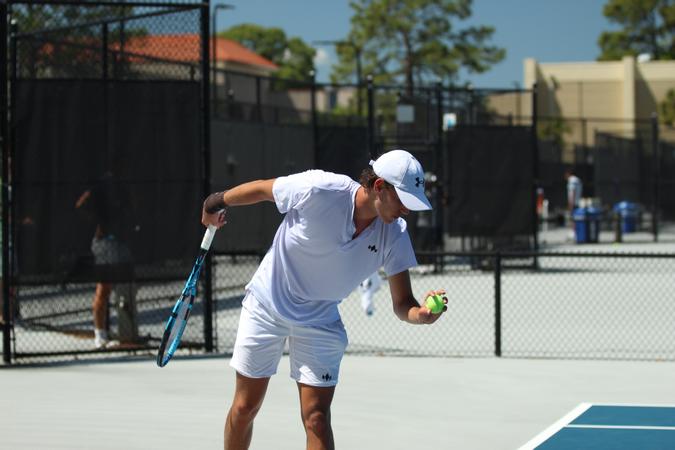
(372, 248)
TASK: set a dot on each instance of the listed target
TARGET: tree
(553, 130)
(645, 26)
(414, 41)
(667, 108)
(293, 56)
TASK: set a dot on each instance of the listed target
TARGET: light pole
(214, 42)
(357, 56)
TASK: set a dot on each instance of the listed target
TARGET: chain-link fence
(621, 163)
(534, 305)
(599, 306)
(52, 321)
(108, 97)
(265, 99)
(90, 40)
(121, 100)
(545, 305)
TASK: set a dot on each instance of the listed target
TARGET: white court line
(638, 405)
(623, 427)
(557, 426)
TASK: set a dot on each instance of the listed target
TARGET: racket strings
(191, 284)
(180, 314)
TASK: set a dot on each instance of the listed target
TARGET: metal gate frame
(7, 77)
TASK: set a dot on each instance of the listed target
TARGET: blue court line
(610, 427)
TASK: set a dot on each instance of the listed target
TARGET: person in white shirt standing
(336, 232)
(574, 193)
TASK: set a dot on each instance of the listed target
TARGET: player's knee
(244, 412)
(317, 421)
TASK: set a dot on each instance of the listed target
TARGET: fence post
(315, 125)
(439, 170)
(258, 99)
(104, 51)
(498, 304)
(535, 173)
(206, 152)
(657, 175)
(371, 118)
(4, 130)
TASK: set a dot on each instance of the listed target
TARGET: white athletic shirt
(574, 188)
(313, 263)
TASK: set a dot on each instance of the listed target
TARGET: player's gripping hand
(216, 219)
(433, 306)
(213, 210)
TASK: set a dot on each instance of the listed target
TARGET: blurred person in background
(369, 288)
(574, 194)
(104, 205)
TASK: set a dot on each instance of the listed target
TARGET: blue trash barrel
(586, 224)
(593, 217)
(628, 214)
(580, 227)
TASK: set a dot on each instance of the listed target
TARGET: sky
(547, 30)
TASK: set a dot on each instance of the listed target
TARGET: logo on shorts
(372, 248)
(326, 377)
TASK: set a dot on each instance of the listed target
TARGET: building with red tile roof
(230, 55)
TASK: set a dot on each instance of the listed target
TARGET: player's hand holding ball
(434, 304)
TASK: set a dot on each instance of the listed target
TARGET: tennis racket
(181, 310)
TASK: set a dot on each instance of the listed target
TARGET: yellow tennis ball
(435, 303)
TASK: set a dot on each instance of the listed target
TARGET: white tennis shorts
(315, 352)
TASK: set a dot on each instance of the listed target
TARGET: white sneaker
(100, 342)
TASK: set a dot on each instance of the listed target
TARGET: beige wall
(600, 96)
(301, 98)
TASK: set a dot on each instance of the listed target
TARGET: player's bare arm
(249, 193)
(406, 307)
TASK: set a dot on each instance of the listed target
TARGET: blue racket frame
(166, 348)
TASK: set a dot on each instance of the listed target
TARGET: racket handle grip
(208, 237)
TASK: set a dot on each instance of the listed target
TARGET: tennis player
(336, 232)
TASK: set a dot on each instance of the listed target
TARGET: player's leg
(248, 398)
(316, 353)
(315, 410)
(100, 311)
(255, 357)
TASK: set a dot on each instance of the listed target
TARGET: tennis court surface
(605, 427)
(381, 402)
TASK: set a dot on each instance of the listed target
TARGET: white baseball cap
(400, 169)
